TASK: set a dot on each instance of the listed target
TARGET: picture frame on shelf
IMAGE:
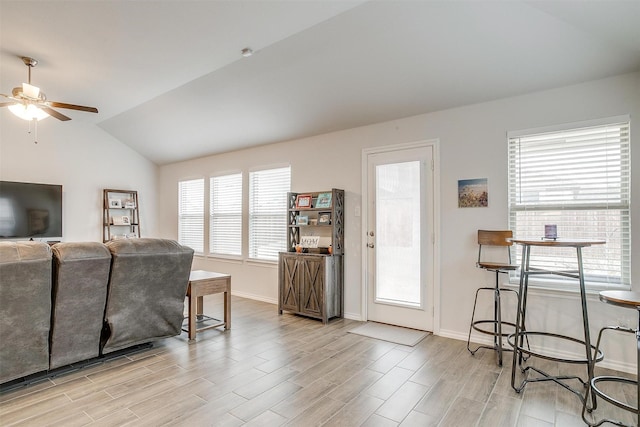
(323, 201)
(115, 203)
(129, 204)
(121, 220)
(324, 218)
(303, 201)
(302, 220)
(550, 231)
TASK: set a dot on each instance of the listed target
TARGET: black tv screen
(30, 210)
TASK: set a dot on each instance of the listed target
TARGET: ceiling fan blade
(54, 113)
(72, 107)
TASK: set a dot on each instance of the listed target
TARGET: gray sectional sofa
(79, 301)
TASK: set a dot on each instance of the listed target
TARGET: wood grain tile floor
(272, 370)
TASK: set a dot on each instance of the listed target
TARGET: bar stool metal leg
(624, 299)
(497, 322)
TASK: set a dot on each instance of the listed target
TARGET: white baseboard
(488, 340)
(353, 316)
(254, 297)
(350, 316)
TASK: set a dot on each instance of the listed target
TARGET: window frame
(198, 250)
(238, 214)
(277, 211)
(618, 212)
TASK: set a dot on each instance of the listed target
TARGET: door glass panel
(397, 234)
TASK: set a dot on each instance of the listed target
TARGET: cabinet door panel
(312, 285)
(289, 284)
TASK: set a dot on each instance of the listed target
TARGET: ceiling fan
(29, 103)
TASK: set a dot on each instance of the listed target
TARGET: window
(268, 212)
(225, 215)
(191, 214)
(578, 179)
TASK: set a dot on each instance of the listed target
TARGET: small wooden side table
(206, 283)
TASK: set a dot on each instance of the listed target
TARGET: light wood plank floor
(272, 370)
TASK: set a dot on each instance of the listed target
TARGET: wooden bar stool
(498, 238)
(627, 299)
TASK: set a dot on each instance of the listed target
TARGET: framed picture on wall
(473, 193)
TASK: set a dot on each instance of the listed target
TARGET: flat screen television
(29, 210)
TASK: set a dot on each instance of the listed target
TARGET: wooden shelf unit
(332, 232)
(311, 283)
(120, 214)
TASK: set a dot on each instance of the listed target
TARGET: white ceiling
(169, 80)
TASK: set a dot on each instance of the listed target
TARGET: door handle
(370, 245)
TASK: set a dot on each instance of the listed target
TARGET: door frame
(434, 144)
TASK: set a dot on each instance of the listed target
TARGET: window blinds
(225, 210)
(191, 214)
(578, 179)
(268, 212)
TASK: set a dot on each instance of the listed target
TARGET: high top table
(517, 340)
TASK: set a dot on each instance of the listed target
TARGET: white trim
(227, 172)
(255, 297)
(261, 262)
(271, 166)
(190, 178)
(230, 259)
(566, 126)
(485, 340)
(353, 316)
(434, 144)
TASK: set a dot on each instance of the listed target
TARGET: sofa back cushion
(25, 308)
(147, 288)
(80, 279)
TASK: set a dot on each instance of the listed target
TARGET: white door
(400, 236)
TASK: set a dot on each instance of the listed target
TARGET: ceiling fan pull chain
(35, 130)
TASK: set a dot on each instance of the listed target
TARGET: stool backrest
(494, 238)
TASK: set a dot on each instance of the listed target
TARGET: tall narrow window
(225, 215)
(268, 212)
(578, 179)
(191, 214)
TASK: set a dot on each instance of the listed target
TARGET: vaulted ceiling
(169, 79)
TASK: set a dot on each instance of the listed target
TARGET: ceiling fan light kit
(28, 111)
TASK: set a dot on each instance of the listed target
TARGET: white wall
(85, 160)
(472, 145)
